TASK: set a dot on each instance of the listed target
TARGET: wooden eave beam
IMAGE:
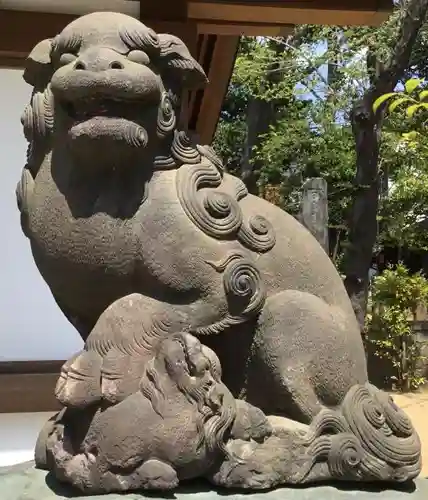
(217, 57)
(285, 12)
(20, 31)
(239, 29)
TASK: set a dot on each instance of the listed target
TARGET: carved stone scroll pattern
(370, 439)
(215, 212)
(244, 289)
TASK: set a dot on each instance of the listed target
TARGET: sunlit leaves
(412, 84)
(396, 99)
(383, 98)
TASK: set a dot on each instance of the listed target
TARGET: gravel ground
(416, 406)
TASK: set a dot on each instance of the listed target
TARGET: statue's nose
(99, 60)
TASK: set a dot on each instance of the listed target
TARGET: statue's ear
(177, 63)
(38, 66)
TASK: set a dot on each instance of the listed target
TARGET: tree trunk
(366, 125)
(260, 115)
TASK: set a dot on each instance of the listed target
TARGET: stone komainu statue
(142, 237)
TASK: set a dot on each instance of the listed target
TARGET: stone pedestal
(24, 482)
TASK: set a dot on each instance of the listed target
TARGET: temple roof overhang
(211, 29)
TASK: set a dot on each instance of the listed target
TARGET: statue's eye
(67, 58)
(138, 56)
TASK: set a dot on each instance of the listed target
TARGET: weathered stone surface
(24, 482)
(220, 342)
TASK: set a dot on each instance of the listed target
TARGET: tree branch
(388, 77)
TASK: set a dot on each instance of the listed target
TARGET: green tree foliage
(396, 295)
(306, 84)
(407, 200)
(310, 135)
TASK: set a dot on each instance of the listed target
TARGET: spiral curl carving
(136, 136)
(209, 153)
(369, 438)
(38, 116)
(217, 213)
(27, 122)
(183, 150)
(48, 100)
(24, 189)
(166, 116)
(258, 235)
(326, 422)
(244, 290)
(164, 162)
(38, 122)
(374, 420)
(345, 456)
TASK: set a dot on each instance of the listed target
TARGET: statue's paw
(79, 383)
(151, 475)
(250, 423)
(248, 474)
(41, 456)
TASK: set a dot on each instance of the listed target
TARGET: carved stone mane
(212, 204)
(213, 417)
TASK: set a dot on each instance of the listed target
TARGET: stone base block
(25, 482)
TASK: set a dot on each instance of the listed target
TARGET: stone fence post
(314, 209)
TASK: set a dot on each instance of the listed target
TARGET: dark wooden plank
(28, 367)
(366, 12)
(218, 62)
(350, 5)
(166, 10)
(28, 386)
(20, 31)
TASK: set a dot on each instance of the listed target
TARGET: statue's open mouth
(91, 107)
(117, 119)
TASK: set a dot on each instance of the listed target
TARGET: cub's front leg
(116, 351)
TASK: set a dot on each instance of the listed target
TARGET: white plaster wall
(18, 434)
(31, 325)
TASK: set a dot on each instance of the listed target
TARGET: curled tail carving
(368, 439)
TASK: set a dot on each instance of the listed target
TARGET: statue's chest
(79, 233)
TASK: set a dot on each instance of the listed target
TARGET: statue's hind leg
(306, 355)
